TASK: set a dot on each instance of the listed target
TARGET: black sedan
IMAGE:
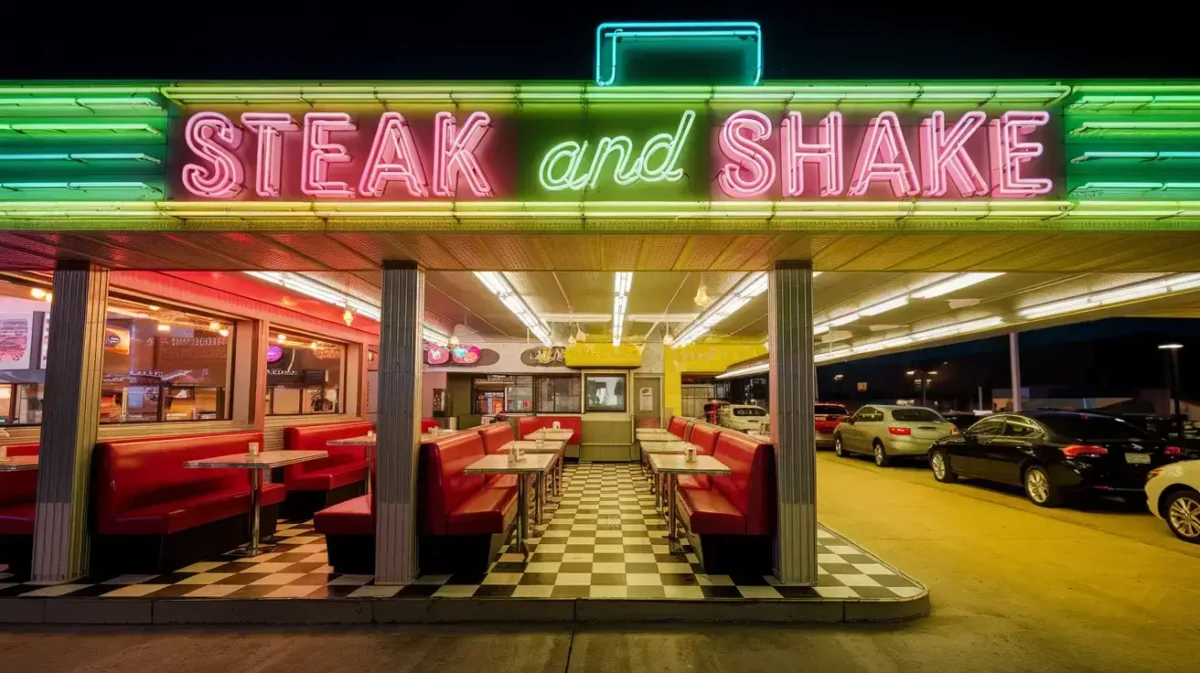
(1054, 454)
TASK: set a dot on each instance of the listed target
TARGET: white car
(743, 417)
(1173, 493)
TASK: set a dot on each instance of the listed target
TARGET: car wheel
(837, 446)
(1040, 490)
(939, 462)
(1183, 515)
(881, 457)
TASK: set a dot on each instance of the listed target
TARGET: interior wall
(430, 380)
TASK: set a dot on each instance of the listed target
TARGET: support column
(398, 424)
(1014, 366)
(70, 421)
(789, 317)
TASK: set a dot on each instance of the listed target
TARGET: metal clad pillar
(398, 425)
(70, 421)
(793, 377)
(1014, 364)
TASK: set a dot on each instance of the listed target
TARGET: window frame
(301, 336)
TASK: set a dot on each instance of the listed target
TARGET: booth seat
(495, 436)
(731, 523)
(428, 424)
(349, 530)
(18, 496)
(677, 426)
(704, 436)
(153, 515)
(529, 424)
(464, 518)
(317, 484)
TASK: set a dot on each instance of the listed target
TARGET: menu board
(16, 340)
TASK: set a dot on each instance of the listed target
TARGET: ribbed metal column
(398, 425)
(789, 314)
(70, 420)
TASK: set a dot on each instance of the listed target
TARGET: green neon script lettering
(560, 166)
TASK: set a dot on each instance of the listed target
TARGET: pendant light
(452, 341)
(702, 299)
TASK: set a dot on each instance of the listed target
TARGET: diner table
(653, 434)
(673, 446)
(531, 464)
(555, 448)
(257, 464)
(674, 465)
(554, 434)
(18, 463)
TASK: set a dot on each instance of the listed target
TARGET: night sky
(513, 41)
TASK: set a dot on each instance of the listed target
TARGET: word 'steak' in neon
(749, 168)
(218, 171)
(560, 167)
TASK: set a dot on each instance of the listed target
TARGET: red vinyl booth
(316, 484)
(704, 436)
(732, 522)
(464, 518)
(153, 515)
(428, 424)
(529, 424)
(18, 497)
(495, 436)
(677, 426)
(349, 530)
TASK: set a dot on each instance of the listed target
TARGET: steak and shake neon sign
(750, 155)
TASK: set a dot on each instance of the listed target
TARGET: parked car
(962, 419)
(1054, 454)
(743, 417)
(825, 420)
(890, 431)
(1173, 493)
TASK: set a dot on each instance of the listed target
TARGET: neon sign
(554, 177)
(336, 155)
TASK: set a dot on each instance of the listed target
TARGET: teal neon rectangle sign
(709, 53)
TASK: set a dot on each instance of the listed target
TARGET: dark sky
(451, 39)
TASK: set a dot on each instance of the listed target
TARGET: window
(500, 393)
(1089, 428)
(1020, 427)
(749, 411)
(24, 329)
(987, 427)
(829, 410)
(917, 415)
(304, 375)
(604, 392)
(558, 394)
(163, 364)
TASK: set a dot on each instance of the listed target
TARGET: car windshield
(1086, 427)
(829, 410)
(917, 415)
(749, 411)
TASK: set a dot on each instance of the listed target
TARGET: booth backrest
(316, 438)
(444, 484)
(528, 424)
(428, 424)
(19, 487)
(495, 435)
(705, 437)
(134, 473)
(751, 486)
(677, 426)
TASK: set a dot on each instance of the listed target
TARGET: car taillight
(1173, 451)
(900, 431)
(1076, 450)
(954, 431)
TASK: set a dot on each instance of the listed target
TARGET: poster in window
(16, 340)
(45, 338)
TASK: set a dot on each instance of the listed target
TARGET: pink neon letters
(752, 169)
(826, 153)
(945, 155)
(454, 154)
(214, 136)
(1009, 152)
(269, 126)
(320, 152)
(393, 157)
(884, 156)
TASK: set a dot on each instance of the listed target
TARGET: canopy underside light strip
(996, 209)
(498, 285)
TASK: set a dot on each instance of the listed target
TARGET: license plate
(1137, 458)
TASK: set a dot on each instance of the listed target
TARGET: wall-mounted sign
(613, 152)
(274, 353)
(458, 355)
(16, 340)
(544, 356)
(116, 340)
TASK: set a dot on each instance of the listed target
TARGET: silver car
(890, 431)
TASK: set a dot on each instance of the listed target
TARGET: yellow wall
(701, 359)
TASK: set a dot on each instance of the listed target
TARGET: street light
(924, 380)
(1173, 349)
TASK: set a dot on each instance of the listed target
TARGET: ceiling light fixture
(702, 299)
(1175, 283)
(622, 282)
(952, 284)
(164, 327)
(496, 283)
(759, 368)
(915, 337)
(885, 306)
(348, 317)
(223, 332)
(37, 293)
(282, 338)
(434, 336)
(214, 325)
(844, 320)
(751, 285)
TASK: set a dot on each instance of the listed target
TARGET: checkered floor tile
(605, 539)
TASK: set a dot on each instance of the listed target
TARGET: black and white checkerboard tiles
(605, 540)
